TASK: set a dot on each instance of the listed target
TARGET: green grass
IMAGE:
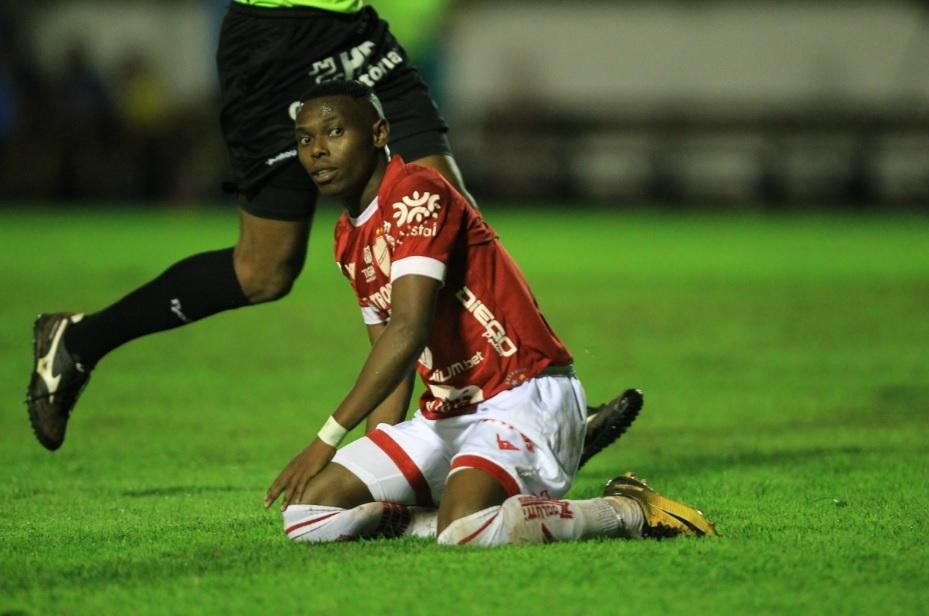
(785, 363)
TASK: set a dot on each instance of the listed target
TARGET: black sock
(189, 290)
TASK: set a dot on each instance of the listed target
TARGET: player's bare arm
(389, 364)
(394, 408)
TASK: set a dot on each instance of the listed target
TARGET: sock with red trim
(533, 519)
(314, 523)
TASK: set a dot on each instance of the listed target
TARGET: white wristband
(332, 432)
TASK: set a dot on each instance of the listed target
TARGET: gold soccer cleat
(663, 516)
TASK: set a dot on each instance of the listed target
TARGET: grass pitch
(785, 363)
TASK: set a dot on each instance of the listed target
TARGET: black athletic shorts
(268, 57)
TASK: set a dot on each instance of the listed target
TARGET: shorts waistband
(567, 370)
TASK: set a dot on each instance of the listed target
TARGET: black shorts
(268, 57)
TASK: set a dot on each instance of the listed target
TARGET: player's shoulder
(413, 191)
(403, 179)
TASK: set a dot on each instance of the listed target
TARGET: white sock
(533, 519)
(314, 523)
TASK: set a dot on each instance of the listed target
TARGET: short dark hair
(353, 89)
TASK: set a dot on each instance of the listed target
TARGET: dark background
(752, 104)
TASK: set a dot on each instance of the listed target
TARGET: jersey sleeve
(425, 222)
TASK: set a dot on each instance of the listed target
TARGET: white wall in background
(600, 54)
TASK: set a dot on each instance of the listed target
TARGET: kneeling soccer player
(499, 431)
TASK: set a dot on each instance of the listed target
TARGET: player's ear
(381, 133)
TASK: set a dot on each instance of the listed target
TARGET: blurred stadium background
(710, 103)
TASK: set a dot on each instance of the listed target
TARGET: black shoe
(608, 422)
(57, 379)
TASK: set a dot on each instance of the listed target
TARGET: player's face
(338, 143)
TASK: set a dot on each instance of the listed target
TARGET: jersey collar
(365, 215)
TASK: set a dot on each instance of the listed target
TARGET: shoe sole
(625, 411)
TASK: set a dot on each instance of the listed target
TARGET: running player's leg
(277, 198)
(261, 267)
(275, 228)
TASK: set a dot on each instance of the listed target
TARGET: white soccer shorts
(529, 438)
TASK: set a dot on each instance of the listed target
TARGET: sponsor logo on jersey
(344, 65)
(356, 64)
(379, 69)
(424, 230)
(493, 329)
(416, 208)
(460, 367)
(381, 298)
(425, 358)
(448, 398)
(280, 157)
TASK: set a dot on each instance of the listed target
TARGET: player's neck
(355, 206)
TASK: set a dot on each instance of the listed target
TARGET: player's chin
(329, 189)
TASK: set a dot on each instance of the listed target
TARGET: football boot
(663, 516)
(57, 379)
(609, 421)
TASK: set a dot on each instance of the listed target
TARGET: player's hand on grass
(292, 481)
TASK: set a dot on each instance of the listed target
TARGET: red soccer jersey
(488, 334)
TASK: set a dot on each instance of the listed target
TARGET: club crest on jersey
(381, 254)
(416, 208)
